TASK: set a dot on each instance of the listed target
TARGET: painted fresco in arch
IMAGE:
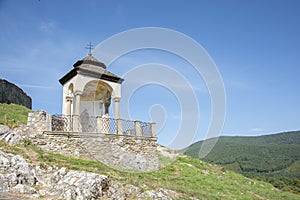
(96, 95)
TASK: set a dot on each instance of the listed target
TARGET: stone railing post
(99, 124)
(138, 130)
(48, 122)
(76, 123)
(153, 129)
(117, 115)
(67, 122)
(128, 132)
(106, 126)
(119, 126)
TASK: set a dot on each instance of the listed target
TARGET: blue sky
(255, 45)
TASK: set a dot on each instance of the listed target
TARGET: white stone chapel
(89, 89)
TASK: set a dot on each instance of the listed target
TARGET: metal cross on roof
(90, 47)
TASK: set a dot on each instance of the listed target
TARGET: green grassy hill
(273, 158)
(12, 114)
(189, 177)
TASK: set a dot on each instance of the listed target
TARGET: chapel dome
(90, 60)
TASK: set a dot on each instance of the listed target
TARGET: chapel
(89, 90)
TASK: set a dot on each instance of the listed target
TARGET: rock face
(33, 181)
(10, 93)
(118, 191)
(12, 137)
(17, 176)
(78, 185)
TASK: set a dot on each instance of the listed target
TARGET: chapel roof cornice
(90, 66)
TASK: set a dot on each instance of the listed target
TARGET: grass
(188, 176)
(272, 158)
(12, 114)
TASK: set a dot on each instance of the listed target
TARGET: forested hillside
(274, 158)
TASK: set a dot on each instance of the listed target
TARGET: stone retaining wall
(120, 151)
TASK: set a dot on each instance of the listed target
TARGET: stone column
(117, 112)
(68, 116)
(68, 105)
(117, 115)
(76, 121)
(77, 102)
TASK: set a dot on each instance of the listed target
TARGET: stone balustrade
(104, 124)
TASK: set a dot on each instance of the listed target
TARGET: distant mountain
(274, 158)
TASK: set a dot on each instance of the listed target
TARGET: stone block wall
(125, 152)
(39, 121)
(119, 151)
(10, 93)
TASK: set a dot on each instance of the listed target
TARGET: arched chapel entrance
(96, 98)
(94, 102)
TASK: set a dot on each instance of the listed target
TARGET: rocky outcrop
(12, 137)
(117, 191)
(32, 181)
(78, 185)
(10, 93)
(17, 176)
